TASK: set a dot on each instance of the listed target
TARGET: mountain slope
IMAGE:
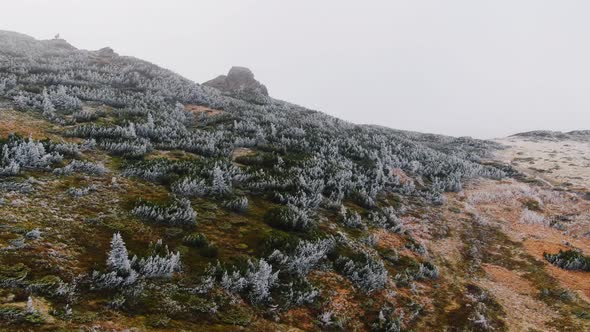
(133, 197)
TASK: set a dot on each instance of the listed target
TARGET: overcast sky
(464, 68)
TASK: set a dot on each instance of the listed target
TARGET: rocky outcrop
(240, 83)
(106, 52)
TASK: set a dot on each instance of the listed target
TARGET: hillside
(132, 197)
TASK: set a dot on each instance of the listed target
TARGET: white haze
(478, 68)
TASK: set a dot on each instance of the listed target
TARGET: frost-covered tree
(48, 108)
(388, 320)
(119, 272)
(190, 187)
(67, 149)
(387, 218)
(569, 260)
(19, 153)
(118, 257)
(61, 100)
(157, 266)
(11, 168)
(132, 148)
(256, 282)
(77, 166)
(220, 184)
(19, 187)
(261, 278)
(290, 217)
(30, 308)
(239, 204)
(351, 218)
(305, 258)
(83, 191)
(368, 273)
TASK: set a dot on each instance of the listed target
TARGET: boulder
(106, 52)
(240, 83)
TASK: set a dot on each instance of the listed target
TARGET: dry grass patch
(509, 279)
(523, 311)
(202, 109)
(341, 294)
(24, 124)
(240, 152)
(301, 318)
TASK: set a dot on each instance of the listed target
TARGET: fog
(464, 68)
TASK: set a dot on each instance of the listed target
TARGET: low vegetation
(133, 209)
(569, 260)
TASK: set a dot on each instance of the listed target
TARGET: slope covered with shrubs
(313, 189)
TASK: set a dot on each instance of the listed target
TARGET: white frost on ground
(562, 163)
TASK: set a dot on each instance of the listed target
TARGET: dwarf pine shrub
(569, 260)
(239, 204)
(77, 166)
(366, 272)
(180, 212)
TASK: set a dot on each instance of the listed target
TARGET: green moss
(173, 232)
(210, 251)
(195, 240)
(276, 239)
(241, 316)
(8, 313)
(46, 283)
(158, 320)
(242, 246)
(84, 317)
(34, 318)
(11, 315)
